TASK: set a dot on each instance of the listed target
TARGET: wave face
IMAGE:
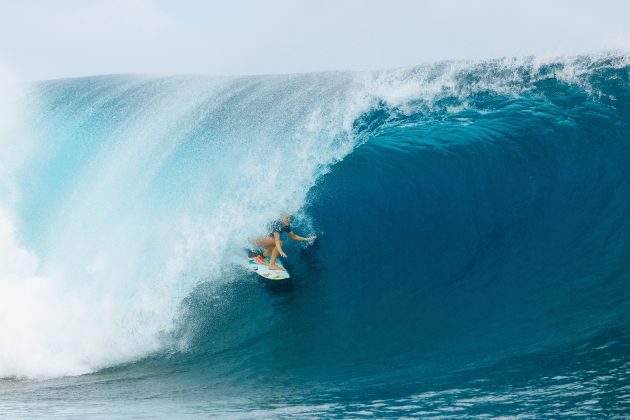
(473, 222)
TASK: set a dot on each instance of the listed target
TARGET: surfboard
(264, 271)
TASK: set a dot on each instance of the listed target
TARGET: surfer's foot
(275, 267)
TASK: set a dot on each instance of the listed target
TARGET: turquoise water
(473, 223)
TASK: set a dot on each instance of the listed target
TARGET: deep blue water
(473, 251)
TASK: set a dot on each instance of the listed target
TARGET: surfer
(272, 244)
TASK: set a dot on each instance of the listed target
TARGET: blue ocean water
(472, 260)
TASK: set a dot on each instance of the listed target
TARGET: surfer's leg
(267, 243)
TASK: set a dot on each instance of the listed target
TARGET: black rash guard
(279, 227)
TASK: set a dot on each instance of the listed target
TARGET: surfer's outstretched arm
(300, 238)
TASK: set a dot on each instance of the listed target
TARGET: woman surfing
(272, 244)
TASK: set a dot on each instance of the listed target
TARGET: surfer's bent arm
(299, 238)
(276, 239)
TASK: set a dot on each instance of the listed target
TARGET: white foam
(506, 76)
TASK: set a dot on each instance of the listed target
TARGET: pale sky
(43, 39)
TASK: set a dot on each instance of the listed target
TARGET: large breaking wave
(467, 212)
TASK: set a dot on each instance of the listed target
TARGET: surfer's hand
(312, 238)
(282, 254)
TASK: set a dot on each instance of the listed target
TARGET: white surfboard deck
(264, 271)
